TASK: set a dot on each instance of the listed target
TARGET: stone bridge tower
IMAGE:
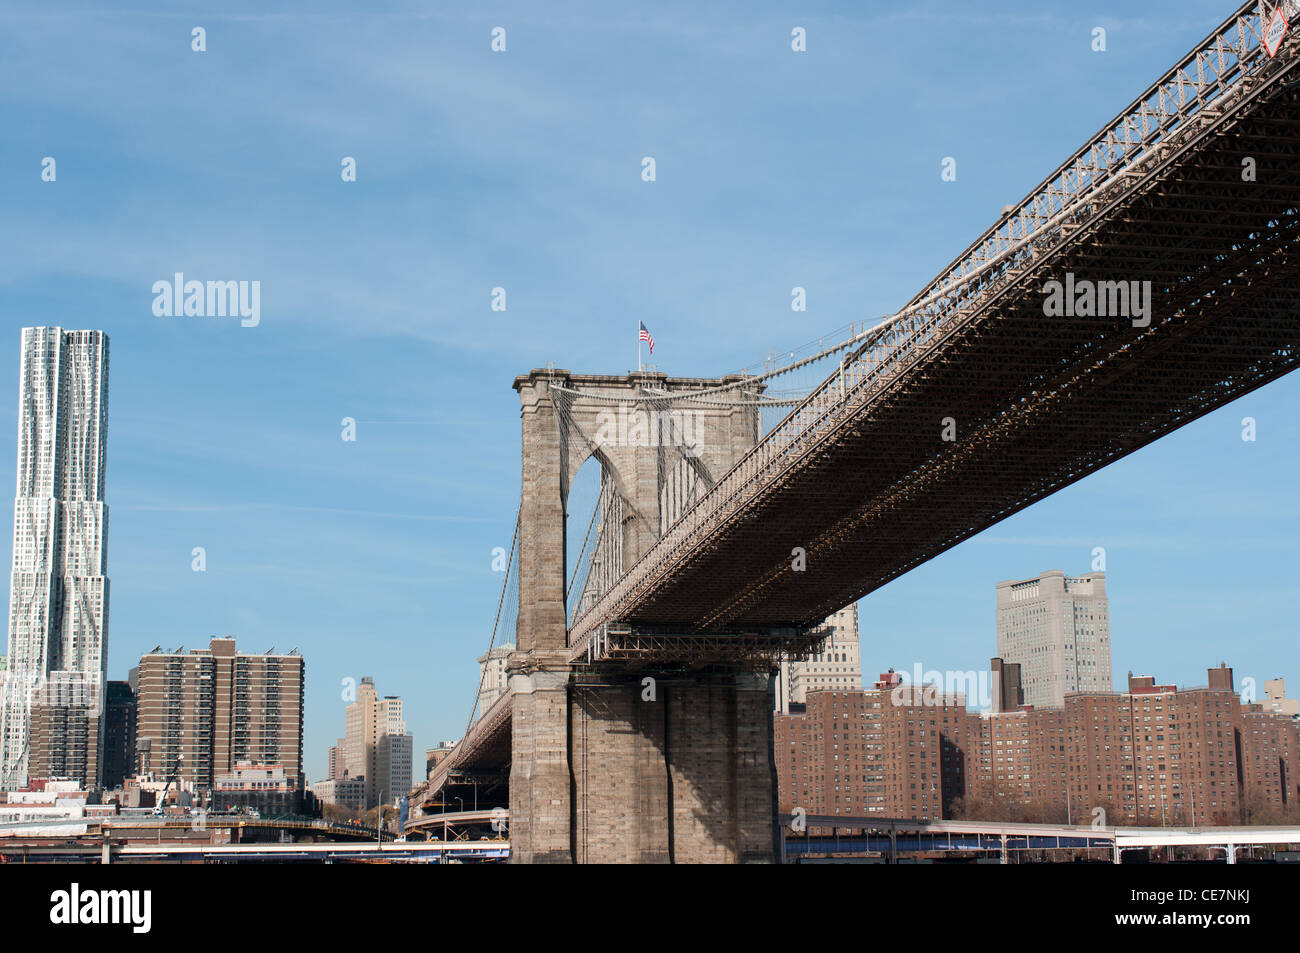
(606, 766)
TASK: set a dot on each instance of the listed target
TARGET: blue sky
(522, 170)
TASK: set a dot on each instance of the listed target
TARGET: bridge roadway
(488, 740)
(460, 826)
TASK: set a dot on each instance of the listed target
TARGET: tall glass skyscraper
(50, 724)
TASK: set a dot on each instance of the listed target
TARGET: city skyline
(376, 555)
(309, 759)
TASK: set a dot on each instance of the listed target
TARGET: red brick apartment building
(894, 751)
(1153, 754)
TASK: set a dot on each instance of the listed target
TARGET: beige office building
(836, 668)
(348, 793)
(376, 747)
(493, 680)
(199, 714)
(1057, 629)
(1275, 699)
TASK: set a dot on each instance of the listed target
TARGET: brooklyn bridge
(736, 513)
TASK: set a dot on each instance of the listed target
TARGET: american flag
(645, 336)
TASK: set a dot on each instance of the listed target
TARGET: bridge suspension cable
(510, 607)
(753, 387)
(604, 562)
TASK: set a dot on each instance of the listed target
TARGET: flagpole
(638, 346)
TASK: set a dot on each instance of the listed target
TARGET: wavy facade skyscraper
(50, 723)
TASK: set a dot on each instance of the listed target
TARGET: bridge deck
(860, 477)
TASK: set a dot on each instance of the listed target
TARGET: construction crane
(162, 797)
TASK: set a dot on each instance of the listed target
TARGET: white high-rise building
(58, 603)
(837, 667)
(1057, 628)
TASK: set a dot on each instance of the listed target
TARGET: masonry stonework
(601, 770)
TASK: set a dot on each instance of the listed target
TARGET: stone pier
(607, 767)
(674, 770)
